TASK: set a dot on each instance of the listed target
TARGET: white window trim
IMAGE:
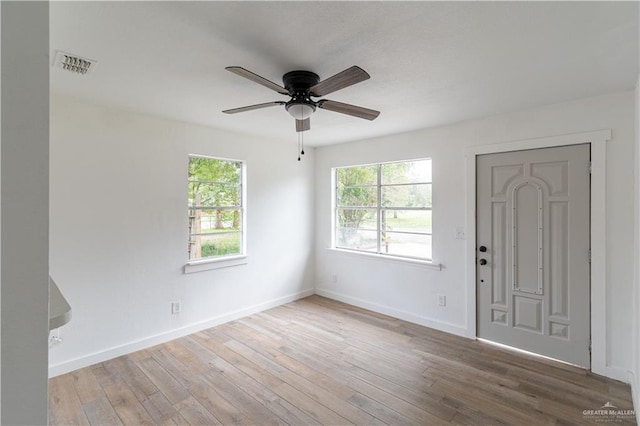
(383, 257)
(201, 265)
(206, 264)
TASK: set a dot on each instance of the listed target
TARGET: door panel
(533, 217)
(527, 238)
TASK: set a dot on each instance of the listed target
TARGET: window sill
(209, 264)
(393, 259)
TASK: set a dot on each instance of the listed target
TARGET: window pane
(418, 195)
(214, 194)
(418, 171)
(385, 208)
(412, 245)
(357, 176)
(215, 207)
(203, 246)
(406, 220)
(357, 218)
(215, 170)
(204, 221)
(357, 239)
(358, 196)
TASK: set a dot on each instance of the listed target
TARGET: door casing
(598, 140)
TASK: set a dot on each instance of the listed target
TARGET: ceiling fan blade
(303, 125)
(343, 79)
(252, 107)
(356, 111)
(257, 79)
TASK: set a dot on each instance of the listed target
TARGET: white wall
(119, 229)
(636, 322)
(0, 218)
(24, 180)
(409, 291)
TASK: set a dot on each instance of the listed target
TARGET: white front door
(533, 251)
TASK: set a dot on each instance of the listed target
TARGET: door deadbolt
(482, 249)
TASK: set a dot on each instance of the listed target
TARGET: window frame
(231, 259)
(378, 208)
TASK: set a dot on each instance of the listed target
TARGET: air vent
(74, 63)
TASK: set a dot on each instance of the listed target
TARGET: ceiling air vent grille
(74, 63)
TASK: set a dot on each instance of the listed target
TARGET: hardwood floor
(317, 361)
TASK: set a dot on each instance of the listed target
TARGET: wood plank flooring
(317, 361)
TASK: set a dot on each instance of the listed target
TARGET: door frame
(598, 140)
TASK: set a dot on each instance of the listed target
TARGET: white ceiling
(431, 63)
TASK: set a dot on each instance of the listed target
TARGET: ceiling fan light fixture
(300, 111)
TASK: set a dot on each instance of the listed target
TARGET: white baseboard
(613, 372)
(396, 313)
(85, 361)
(618, 373)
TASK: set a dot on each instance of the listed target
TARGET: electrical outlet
(176, 307)
(334, 278)
(442, 300)
(54, 337)
(460, 234)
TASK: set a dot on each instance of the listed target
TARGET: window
(216, 208)
(385, 209)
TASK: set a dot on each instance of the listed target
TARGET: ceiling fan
(301, 86)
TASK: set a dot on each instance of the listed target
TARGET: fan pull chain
(300, 144)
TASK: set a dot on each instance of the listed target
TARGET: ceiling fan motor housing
(299, 81)
(298, 84)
